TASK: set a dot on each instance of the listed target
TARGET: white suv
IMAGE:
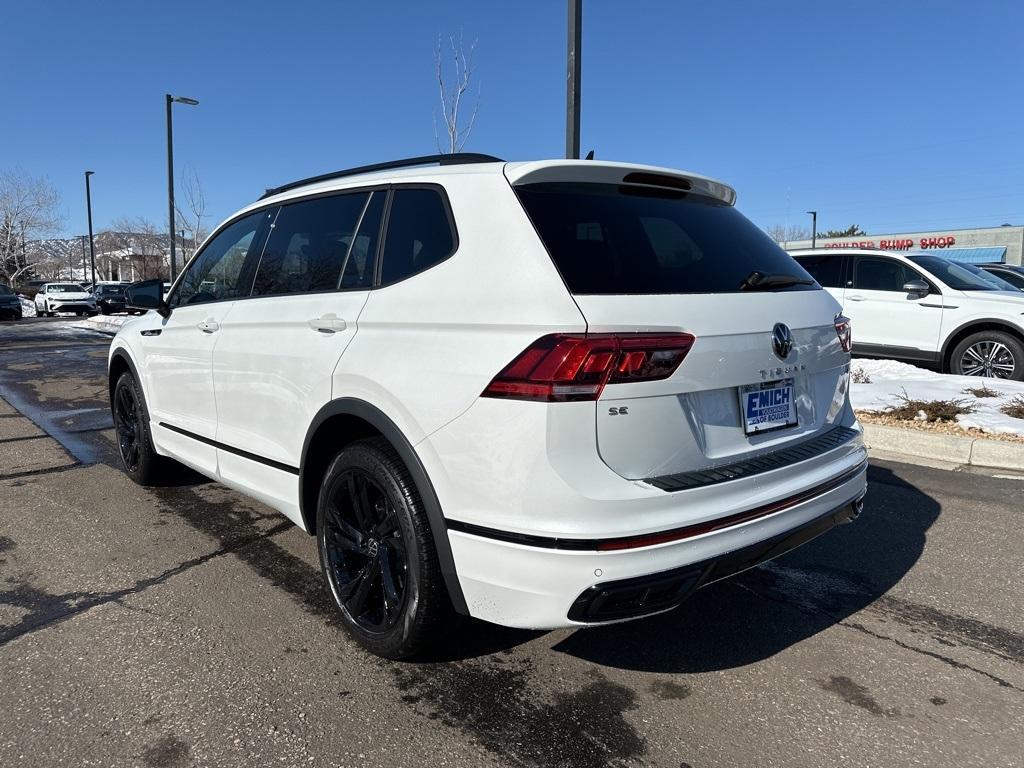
(921, 307)
(543, 394)
(64, 297)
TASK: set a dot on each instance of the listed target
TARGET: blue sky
(894, 115)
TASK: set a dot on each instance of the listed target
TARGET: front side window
(219, 272)
(959, 276)
(308, 245)
(875, 274)
(419, 233)
(621, 239)
(827, 269)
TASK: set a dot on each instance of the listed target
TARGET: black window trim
(381, 233)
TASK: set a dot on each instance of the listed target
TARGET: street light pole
(170, 174)
(572, 93)
(814, 228)
(88, 205)
(83, 257)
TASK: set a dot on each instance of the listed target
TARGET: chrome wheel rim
(988, 359)
(367, 564)
(128, 426)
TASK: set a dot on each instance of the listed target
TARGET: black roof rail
(454, 158)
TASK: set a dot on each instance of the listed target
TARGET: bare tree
(190, 216)
(781, 234)
(451, 95)
(135, 244)
(28, 211)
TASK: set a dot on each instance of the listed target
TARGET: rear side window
(612, 239)
(419, 235)
(308, 245)
(1013, 278)
(827, 270)
(362, 258)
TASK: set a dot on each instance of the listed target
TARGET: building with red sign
(977, 246)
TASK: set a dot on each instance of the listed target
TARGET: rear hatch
(661, 253)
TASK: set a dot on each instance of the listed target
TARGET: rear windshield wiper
(759, 281)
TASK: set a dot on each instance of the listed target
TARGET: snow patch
(889, 379)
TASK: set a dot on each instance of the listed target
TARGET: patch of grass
(929, 410)
(981, 391)
(860, 376)
(1014, 408)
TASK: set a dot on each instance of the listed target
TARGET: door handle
(855, 297)
(208, 326)
(328, 323)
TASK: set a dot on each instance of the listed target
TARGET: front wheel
(134, 444)
(989, 354)
(377, 552)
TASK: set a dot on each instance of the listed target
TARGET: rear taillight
(845, 332)
(566, 367)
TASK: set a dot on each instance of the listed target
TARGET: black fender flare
(123, 355)
(350, 406)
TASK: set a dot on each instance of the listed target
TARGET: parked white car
(64, 297)
(544, 394)
(920, 307)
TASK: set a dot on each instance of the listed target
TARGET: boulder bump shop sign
(902, 244)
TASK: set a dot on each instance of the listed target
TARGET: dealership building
(977, 246)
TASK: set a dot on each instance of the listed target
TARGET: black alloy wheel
(366, 555)
(377, 552)
(128, 424)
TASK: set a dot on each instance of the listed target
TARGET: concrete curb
(969, 451)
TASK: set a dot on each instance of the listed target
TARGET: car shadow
(765, 610)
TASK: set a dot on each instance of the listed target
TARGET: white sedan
(64, 297)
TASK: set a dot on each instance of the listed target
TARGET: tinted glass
(111, 290)
(4, 290)
(1015, 279)
(873, 274)
(219, 272)
(607, 239)
(827, 270)
(363, 257)
(962, 277)
(419, 233)
(307, 245)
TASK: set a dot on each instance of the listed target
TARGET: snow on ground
(28, 307)
(889, 379)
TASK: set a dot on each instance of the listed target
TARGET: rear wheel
(134, 443)
(989, 354)
(377, 553)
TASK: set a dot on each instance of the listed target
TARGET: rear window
(5, 291)
(617, 239)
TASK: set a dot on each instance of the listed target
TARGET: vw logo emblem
(782, 340)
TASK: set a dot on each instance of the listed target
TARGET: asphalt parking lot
(189, 626)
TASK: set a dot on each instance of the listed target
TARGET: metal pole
(814, 228)
(572, 92)
(83, 258)
(170, 186)
(88, 204)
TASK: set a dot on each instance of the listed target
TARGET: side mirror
(917, 287)
(149, 294)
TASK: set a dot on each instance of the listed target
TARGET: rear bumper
(546, 588)
(645, 595)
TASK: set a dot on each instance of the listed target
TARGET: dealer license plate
(768, 405)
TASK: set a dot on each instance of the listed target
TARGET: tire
(134, 443)
(990, 354)
(372, 531)
(104, 311)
